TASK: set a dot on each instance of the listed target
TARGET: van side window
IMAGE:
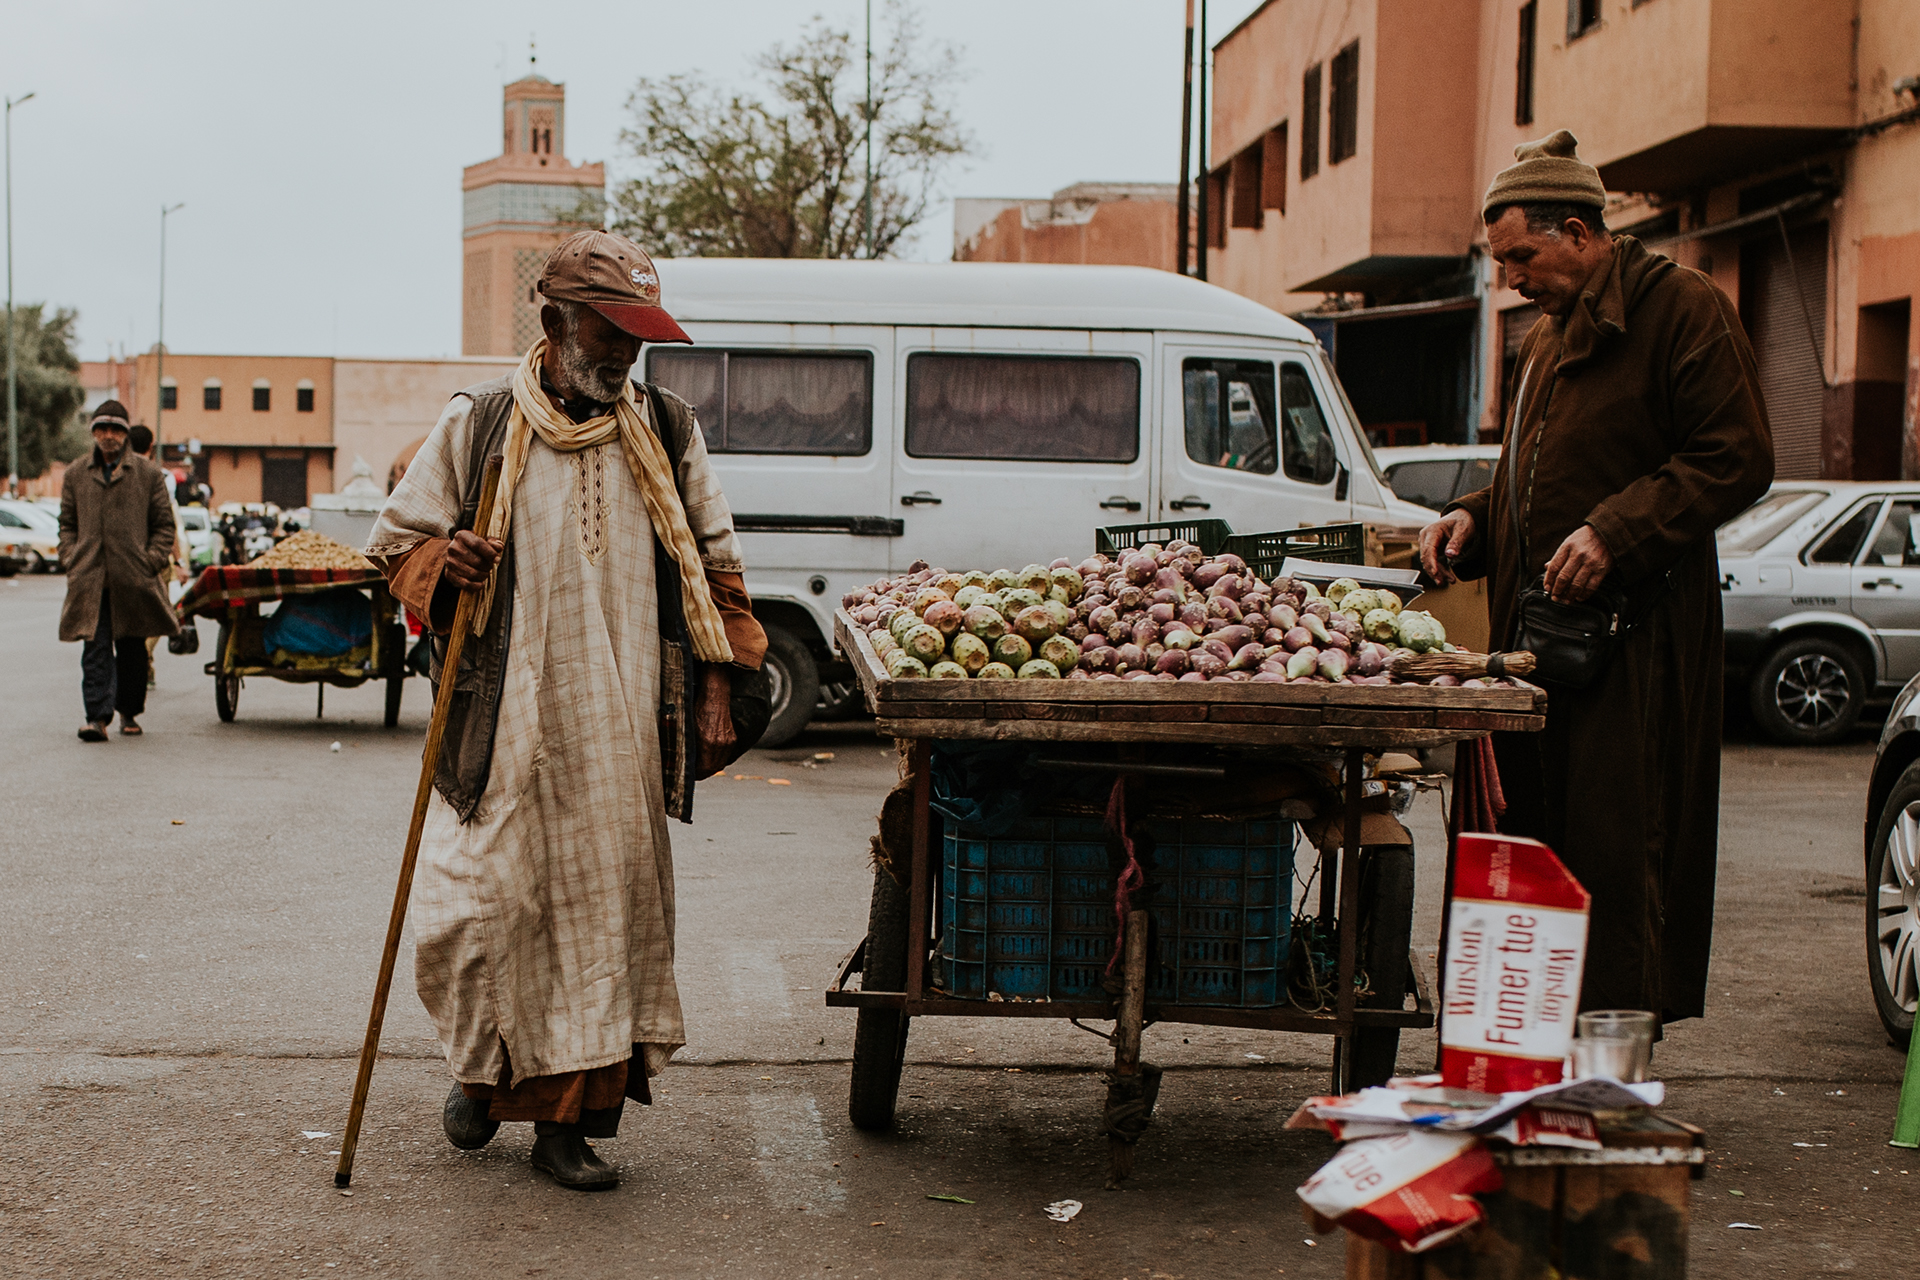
(1306, 445)
(1230, 414)
(1023, 408)
(1843, 544)
(773, 401)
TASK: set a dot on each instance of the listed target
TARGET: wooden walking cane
(429, 764)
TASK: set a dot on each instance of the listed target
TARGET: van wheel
(796, 687)
(1810, 692)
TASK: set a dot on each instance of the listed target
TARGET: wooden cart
(232, 595)
(1282, 721)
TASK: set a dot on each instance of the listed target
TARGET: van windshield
(1357, 435)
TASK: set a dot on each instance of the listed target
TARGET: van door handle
(919, 498)
(1189, 503)
(1883, 582)
(1119, 502)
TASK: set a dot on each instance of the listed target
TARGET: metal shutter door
(1792, 376)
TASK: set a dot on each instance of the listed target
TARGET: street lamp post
(13, 408)
(160, 347)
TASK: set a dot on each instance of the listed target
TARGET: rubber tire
(1774, 723)
(796, 687)
(226, 688)
(880, 1035)
(838, 700)
(396, 650)
(1897, 1021)
(1386, 897)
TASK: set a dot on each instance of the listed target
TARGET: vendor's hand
(1442, 541)
(713, 719)
(470, 559)
(1579, 566)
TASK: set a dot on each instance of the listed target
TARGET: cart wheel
(1386, 924)
(396, 649)
(226, 687)
(880, 1035)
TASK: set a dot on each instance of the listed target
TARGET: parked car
(204, 543)
(1821, 583)
(1893, 876)
(36, 533)
(862, 415)
(1433, 475)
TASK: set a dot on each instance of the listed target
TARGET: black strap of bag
(1571, 643)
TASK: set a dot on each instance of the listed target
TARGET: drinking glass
(1614, 1042)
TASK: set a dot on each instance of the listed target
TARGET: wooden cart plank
(1208, 734)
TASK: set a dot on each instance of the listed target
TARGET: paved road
(191, 929)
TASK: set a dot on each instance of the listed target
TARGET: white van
(863, 415)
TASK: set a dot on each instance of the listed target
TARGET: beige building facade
(515, 208)
(1114, 223)
(1772, 143)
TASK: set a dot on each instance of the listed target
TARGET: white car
(1821, 588)
(1432, 475)
(35, 531)
(204, 543)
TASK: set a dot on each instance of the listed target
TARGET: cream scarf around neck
(534, 413)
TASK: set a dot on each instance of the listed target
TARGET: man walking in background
(1637, 430)
(116, 539)
(140, 440)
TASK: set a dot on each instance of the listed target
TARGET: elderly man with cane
(611, 632)
(1636, 430)
(116, 539)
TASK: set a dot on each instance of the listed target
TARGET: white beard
(594, 381)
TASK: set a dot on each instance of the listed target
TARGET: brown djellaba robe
(1640, 414)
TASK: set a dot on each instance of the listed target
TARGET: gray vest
(466, 751)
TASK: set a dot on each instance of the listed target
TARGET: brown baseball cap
(615, 277)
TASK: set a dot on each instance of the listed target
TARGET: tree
(730, 175)
(47, 386)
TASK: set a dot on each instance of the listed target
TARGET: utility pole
(13, 407)
(867, 200)
(1182, 236)
(160, 347)
(1206, 177)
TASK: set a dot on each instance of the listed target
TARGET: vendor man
(543, 909)
(1637, 429)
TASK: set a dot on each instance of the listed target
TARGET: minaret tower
(517, 206)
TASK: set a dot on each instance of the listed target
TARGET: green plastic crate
(1331, 544)
(1210, 535)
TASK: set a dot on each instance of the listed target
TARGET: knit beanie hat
(111, 413)
(1548, 172)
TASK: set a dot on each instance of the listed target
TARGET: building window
(1343, 112)
(773, 401)
(210, 394)
(303, 397)
(1217, 208)
(1244, 173)
(1023, 408)
(1273, 169)
(1310, 122)
(262, 395)
(1582, 17)
(169, 394)
(1523, 65)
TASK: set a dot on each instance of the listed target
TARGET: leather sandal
(573, 1163)
(465, 1121)
(130, 727)
(93, 733)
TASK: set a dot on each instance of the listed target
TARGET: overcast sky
(318, 148)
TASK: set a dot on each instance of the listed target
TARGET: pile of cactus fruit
(1153, 613)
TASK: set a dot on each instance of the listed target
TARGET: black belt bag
(1571, 644)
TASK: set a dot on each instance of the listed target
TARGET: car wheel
(36, 563)
(1810, 692)
(795, 678)
(1893, 907)
(838, 700)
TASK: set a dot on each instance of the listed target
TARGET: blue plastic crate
(1030, 913)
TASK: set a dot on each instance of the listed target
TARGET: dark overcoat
(1641, 416)
(116, 534)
